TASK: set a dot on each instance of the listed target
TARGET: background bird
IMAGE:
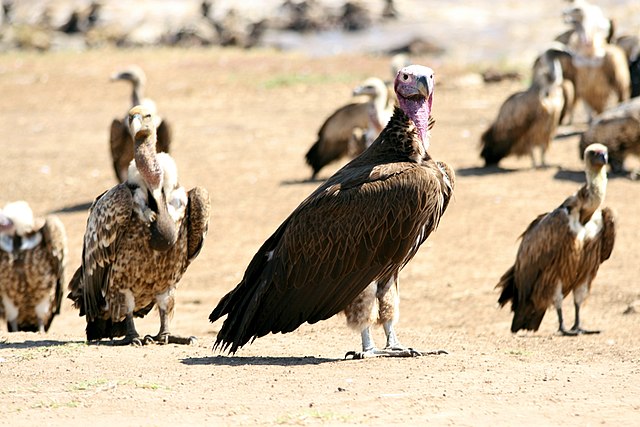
(121, 140)
(618, 128)
(379, 109)
(561, 252)
(351, 235)
(527, 119)
(559, 52)
(32, 263)
(141, 236)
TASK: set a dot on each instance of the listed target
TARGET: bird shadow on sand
(483, 170)
(36, 344)
(303, 181)
(256, 361)
(80, 207)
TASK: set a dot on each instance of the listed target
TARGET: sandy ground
(242, 122)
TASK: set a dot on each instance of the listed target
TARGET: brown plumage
(560, 53)
(120, 140)
(561, 252)
(141, 236)
(352, 234)
(32, 262)
(618, 128)
(526, 120)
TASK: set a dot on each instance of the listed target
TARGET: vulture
(140, 238)
(342, 248)
(32, 260)
(379, 112)
(335, 136)
(601, 68)
(121, 140)
(559, 52)
(561, 252)
(527, 119)
(618, 128)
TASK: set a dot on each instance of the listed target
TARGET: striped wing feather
(55, 239)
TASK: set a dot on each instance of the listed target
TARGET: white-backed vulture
(527, 119)
(32, 261)
(140, 238)
(121, 140)
(379, 109)
(618, 128)
(561, 252)
(602, 68)
(334, 136)
(342, 248)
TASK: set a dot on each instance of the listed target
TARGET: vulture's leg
(12, 325)
(557, 302)
(132, 336)
(165, 303)
(579, 295)
(40, 326)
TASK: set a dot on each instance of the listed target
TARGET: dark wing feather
(349, 232)
(607, 235)
(121, 146)
(197, 221)
(163, 141)
(55, 240)
(108, 218)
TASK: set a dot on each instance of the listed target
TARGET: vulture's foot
(577, 331)
(391, 352)
(129, 340)
(170, 339)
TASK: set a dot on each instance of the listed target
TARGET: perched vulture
(343, 247)
(527, 119)
(601, 68)
(561, 252)
(141, 236)
(32, 262)
(618, 128)
(121, 140)
(630, 44)
(378, 108)
(334, 136)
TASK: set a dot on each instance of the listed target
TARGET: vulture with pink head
(343, 247)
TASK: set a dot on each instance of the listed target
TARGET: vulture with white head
(527, 120)
(121, 140)
(379, 109)
(140, 238)
(32, 261)
(561, 252)
(343, 247)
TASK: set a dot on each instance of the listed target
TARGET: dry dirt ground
(242, 123)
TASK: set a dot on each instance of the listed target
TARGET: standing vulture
(561, 252)
(379, 110)
(343, 247)
(618, 128)
(32, 262)
(528, 119)
(141, 236)
(121, 140)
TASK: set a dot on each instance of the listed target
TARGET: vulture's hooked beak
(135, 121)
(599, 158)
(425, 86)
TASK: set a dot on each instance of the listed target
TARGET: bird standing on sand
(141, 236)
(343, 247)
(561, 252)
(32, 263)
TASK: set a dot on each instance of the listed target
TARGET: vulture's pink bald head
(414, 88)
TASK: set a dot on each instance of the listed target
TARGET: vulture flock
(343, 248)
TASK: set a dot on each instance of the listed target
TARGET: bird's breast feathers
(589, 230)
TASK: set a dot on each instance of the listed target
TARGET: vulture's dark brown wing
(363, 223)
(607, 235)
(55, 240)
(107, 221)
(198, 221)
(163, 142)
(121, 146)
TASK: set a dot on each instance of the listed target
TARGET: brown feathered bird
(343, 247)
(121, 140)
(32, 261)
(559, 52)
(561, 252)
(618, 129)
(526, 120)
(141, 236)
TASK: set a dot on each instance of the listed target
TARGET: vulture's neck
(147, 161)
(137, 93)
(418, 111)
(596, 190)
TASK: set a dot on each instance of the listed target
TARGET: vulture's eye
(147, 116)
(405, 77)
